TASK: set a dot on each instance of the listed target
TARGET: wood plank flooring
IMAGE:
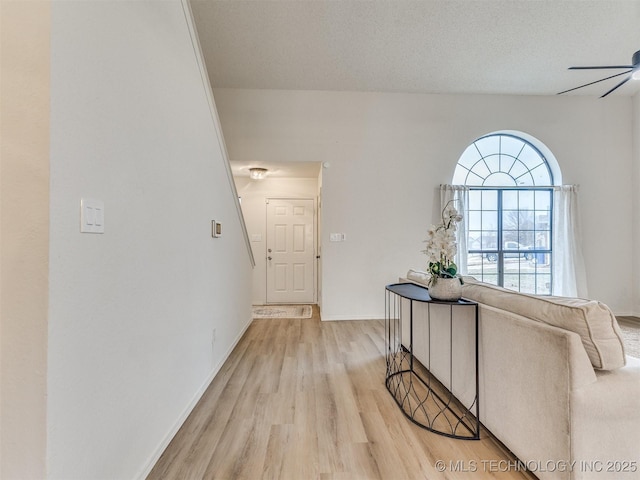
(304, 399)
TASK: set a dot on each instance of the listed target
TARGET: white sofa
(555, 385)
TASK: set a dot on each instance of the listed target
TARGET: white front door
(290, 250)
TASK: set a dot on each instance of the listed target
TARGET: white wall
(254, 195)
(24, 237)
(132, 311)
(389, 152)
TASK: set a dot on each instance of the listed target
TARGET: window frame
(500, 251)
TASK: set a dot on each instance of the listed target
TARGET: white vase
(448, 289)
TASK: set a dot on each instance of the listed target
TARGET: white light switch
(337, 237)
(256, 237)
(91, 216)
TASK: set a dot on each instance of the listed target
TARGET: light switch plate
(91, 216)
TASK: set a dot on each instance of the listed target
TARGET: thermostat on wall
(216, 229)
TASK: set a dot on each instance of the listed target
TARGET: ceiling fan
(633, 70)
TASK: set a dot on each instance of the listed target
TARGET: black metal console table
(424, 398)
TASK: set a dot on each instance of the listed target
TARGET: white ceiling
(512, 47)
(519, 47)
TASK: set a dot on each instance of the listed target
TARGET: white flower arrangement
(441, 245)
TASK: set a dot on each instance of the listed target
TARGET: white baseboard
(189, 408)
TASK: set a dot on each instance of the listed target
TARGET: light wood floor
(304, 399)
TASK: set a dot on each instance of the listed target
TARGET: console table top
(419, 293)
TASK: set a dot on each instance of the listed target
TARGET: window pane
(493, 162)
(541, 175)
(518, 169)
(525, 180)
(474, 242)
(469, 157)
(530, 158)
(489, 240)
(488, 145)
(526, 219)
(506, 162)
(511, 145)
(526, 238)
(542, 220)
(474, 220)
(510, 220)
(481, 169)
(474, 265)
(510, 199)
(475, 199)
(474, 180)
(528, 283)
(489, 220)
(460, 176)
(499, 179)
(543, 240)
(490, 200)
(543, 200)
(526, 200)
(543, 284)
(512, 281)
(542, 261)
(492, 279)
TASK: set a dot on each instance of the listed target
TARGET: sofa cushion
(418, 276)
(592, 320)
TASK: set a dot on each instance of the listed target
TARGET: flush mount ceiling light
(257, 173)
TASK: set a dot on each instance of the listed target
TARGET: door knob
(268, 258)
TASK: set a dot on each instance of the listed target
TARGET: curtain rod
(527, 187)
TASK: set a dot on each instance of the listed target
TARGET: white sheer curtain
(569, 277)
(460, 195)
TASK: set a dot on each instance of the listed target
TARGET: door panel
(280, 277)
(290, 251)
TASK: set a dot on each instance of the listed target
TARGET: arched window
(509, 211)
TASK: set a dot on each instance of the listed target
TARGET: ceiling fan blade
(591, 83)
(617, 86)
(601, 67)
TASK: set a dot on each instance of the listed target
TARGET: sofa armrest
(528, 371)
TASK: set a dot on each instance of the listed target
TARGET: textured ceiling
(519, 47)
